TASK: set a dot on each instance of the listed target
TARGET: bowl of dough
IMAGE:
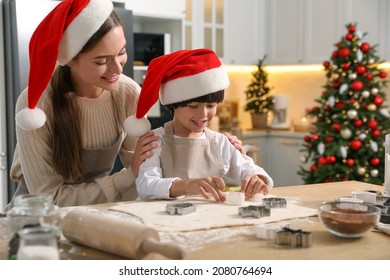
(349, 219)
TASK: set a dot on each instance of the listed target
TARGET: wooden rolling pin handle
(173, 252)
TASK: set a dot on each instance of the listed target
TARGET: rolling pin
(116, 236)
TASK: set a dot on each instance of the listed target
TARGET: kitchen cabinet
(155, 16)
(234, 30)
(169, 9)
(204, 25)
(245, 31)
(305, 31)
(279, 153)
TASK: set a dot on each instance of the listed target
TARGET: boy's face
(191, 120)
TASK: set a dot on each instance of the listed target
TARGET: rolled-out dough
(208, 214)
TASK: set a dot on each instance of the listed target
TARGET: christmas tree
(351, 121)
(257, 93)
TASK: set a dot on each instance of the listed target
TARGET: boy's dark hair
(217, 96)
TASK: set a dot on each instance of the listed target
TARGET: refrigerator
(18, 20)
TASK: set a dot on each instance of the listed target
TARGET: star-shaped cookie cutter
(293, 238)
(255, 211)
(180, 208)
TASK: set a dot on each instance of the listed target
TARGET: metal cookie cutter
(254, 211)
(275, 202)
(180, 208)
(268, 231)
(293, 238)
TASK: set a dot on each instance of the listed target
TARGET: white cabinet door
(245, 30)
(205, 24)
(305, 31)
(323, 26)
(371, 17)
(285, 37)
(284, 160)
(173, 9)
(279, 154)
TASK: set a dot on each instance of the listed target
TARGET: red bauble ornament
(358, 123)
(382, 74)
(339, 105)
(365, 47)
(345, 65)
(322, 161)
(372, 124)
(361, 69)
(356, 144)
(369, 76)
(344, 52)
(313, 167)
(349, 36)
(357, 85)
(328, 139)
(350, 162)
(306, 138)
(326, 64)
(314, 137)
(336, 127)
(376, 132)
(330, 159)
(335, 54)
(378, 100)
(351, 29)
(375, 161)
(335, 85)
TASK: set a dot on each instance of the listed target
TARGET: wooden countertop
(375, 245)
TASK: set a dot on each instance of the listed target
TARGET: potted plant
(258, 101)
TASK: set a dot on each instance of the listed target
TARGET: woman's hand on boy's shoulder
(237, 143)
(145, 144)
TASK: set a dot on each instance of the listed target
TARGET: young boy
(191, 159)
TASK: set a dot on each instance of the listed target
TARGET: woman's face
(100, 67)
(191, 120)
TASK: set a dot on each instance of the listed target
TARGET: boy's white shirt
(151, 184)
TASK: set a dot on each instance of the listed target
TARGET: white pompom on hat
(58, 38)
(177, 77)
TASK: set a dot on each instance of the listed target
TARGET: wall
(303, 86)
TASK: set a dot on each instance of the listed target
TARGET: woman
(86, 102)
(72, 131)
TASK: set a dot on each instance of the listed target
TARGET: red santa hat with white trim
(58, 38)
(177, 77)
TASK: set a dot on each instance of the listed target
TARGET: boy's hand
(213, 185)
(253, 184)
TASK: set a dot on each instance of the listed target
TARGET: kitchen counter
(244, 245)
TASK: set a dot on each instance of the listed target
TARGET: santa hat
(58, 38)
(177, 77)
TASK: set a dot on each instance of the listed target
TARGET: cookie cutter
(385, 214)
(275, 202)
(180, 208)
(293, 238)
(268, 231)
(255, 211)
